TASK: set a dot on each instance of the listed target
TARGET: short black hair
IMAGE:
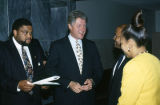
(20, 22)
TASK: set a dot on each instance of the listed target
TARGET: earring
(128, 49)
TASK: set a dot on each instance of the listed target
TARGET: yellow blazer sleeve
(132, 83)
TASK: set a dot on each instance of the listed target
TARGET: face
(23, 35)
(116, 38)
(78, 28)
(125, 45)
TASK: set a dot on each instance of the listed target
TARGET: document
(47, 81)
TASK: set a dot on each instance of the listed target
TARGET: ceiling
(147, 4)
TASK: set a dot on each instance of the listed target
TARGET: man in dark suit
(77, 61)
(18, 70)
(116, 76)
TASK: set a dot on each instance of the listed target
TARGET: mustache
(28, 39)
(24, 43)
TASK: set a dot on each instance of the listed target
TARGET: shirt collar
(72, 39)
(16, 43)
(18, 46)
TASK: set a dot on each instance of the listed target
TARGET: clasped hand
(77, 88)
(25, 86)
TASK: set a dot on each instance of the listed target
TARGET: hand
(87, 85)
(44, 62)
(75, 87)
(44, 87)
(25, 85)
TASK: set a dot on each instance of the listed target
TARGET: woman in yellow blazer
(141, 75)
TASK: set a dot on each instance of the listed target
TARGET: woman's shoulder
(147, 58)
(143, 61)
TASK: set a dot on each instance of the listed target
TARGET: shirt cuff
(18, 89)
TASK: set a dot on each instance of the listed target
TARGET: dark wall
(105, 15)
(3, 20)
(103, 18)
(47, 16)
(49, 20)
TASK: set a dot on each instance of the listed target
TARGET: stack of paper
(47, 81)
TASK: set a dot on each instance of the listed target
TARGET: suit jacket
(62, 61)
(12, 71)
(115, 83)
(1, 44)
(141, 81)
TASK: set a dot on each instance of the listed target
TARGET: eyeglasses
(26, 32)
(116, 36)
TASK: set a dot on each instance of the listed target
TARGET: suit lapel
(84, 55)
(33, 56)
(71, 53)
(15, 55)
(119, 69)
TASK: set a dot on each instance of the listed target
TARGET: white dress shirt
(73, 44)
(114, 69)
(19, 49)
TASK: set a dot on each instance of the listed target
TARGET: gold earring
(128, 49)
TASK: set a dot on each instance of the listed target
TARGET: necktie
(79, 53)
(27, 65)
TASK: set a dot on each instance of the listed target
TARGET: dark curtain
(4, 29)
(49, 18)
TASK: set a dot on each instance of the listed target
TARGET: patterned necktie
(27, 65)
(79, 53)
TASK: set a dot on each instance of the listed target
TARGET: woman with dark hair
(141, 75)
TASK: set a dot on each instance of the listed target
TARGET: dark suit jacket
(62, 61)
(1, 44)
(12, 71)
(115, 84)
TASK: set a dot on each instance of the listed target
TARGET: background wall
(156, 36)
(49, 20)
(103, 18)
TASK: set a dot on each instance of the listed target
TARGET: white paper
(46, 81)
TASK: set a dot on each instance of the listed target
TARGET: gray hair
(76, 14)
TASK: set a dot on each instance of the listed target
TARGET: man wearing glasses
(22, 61)
(116, 76)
